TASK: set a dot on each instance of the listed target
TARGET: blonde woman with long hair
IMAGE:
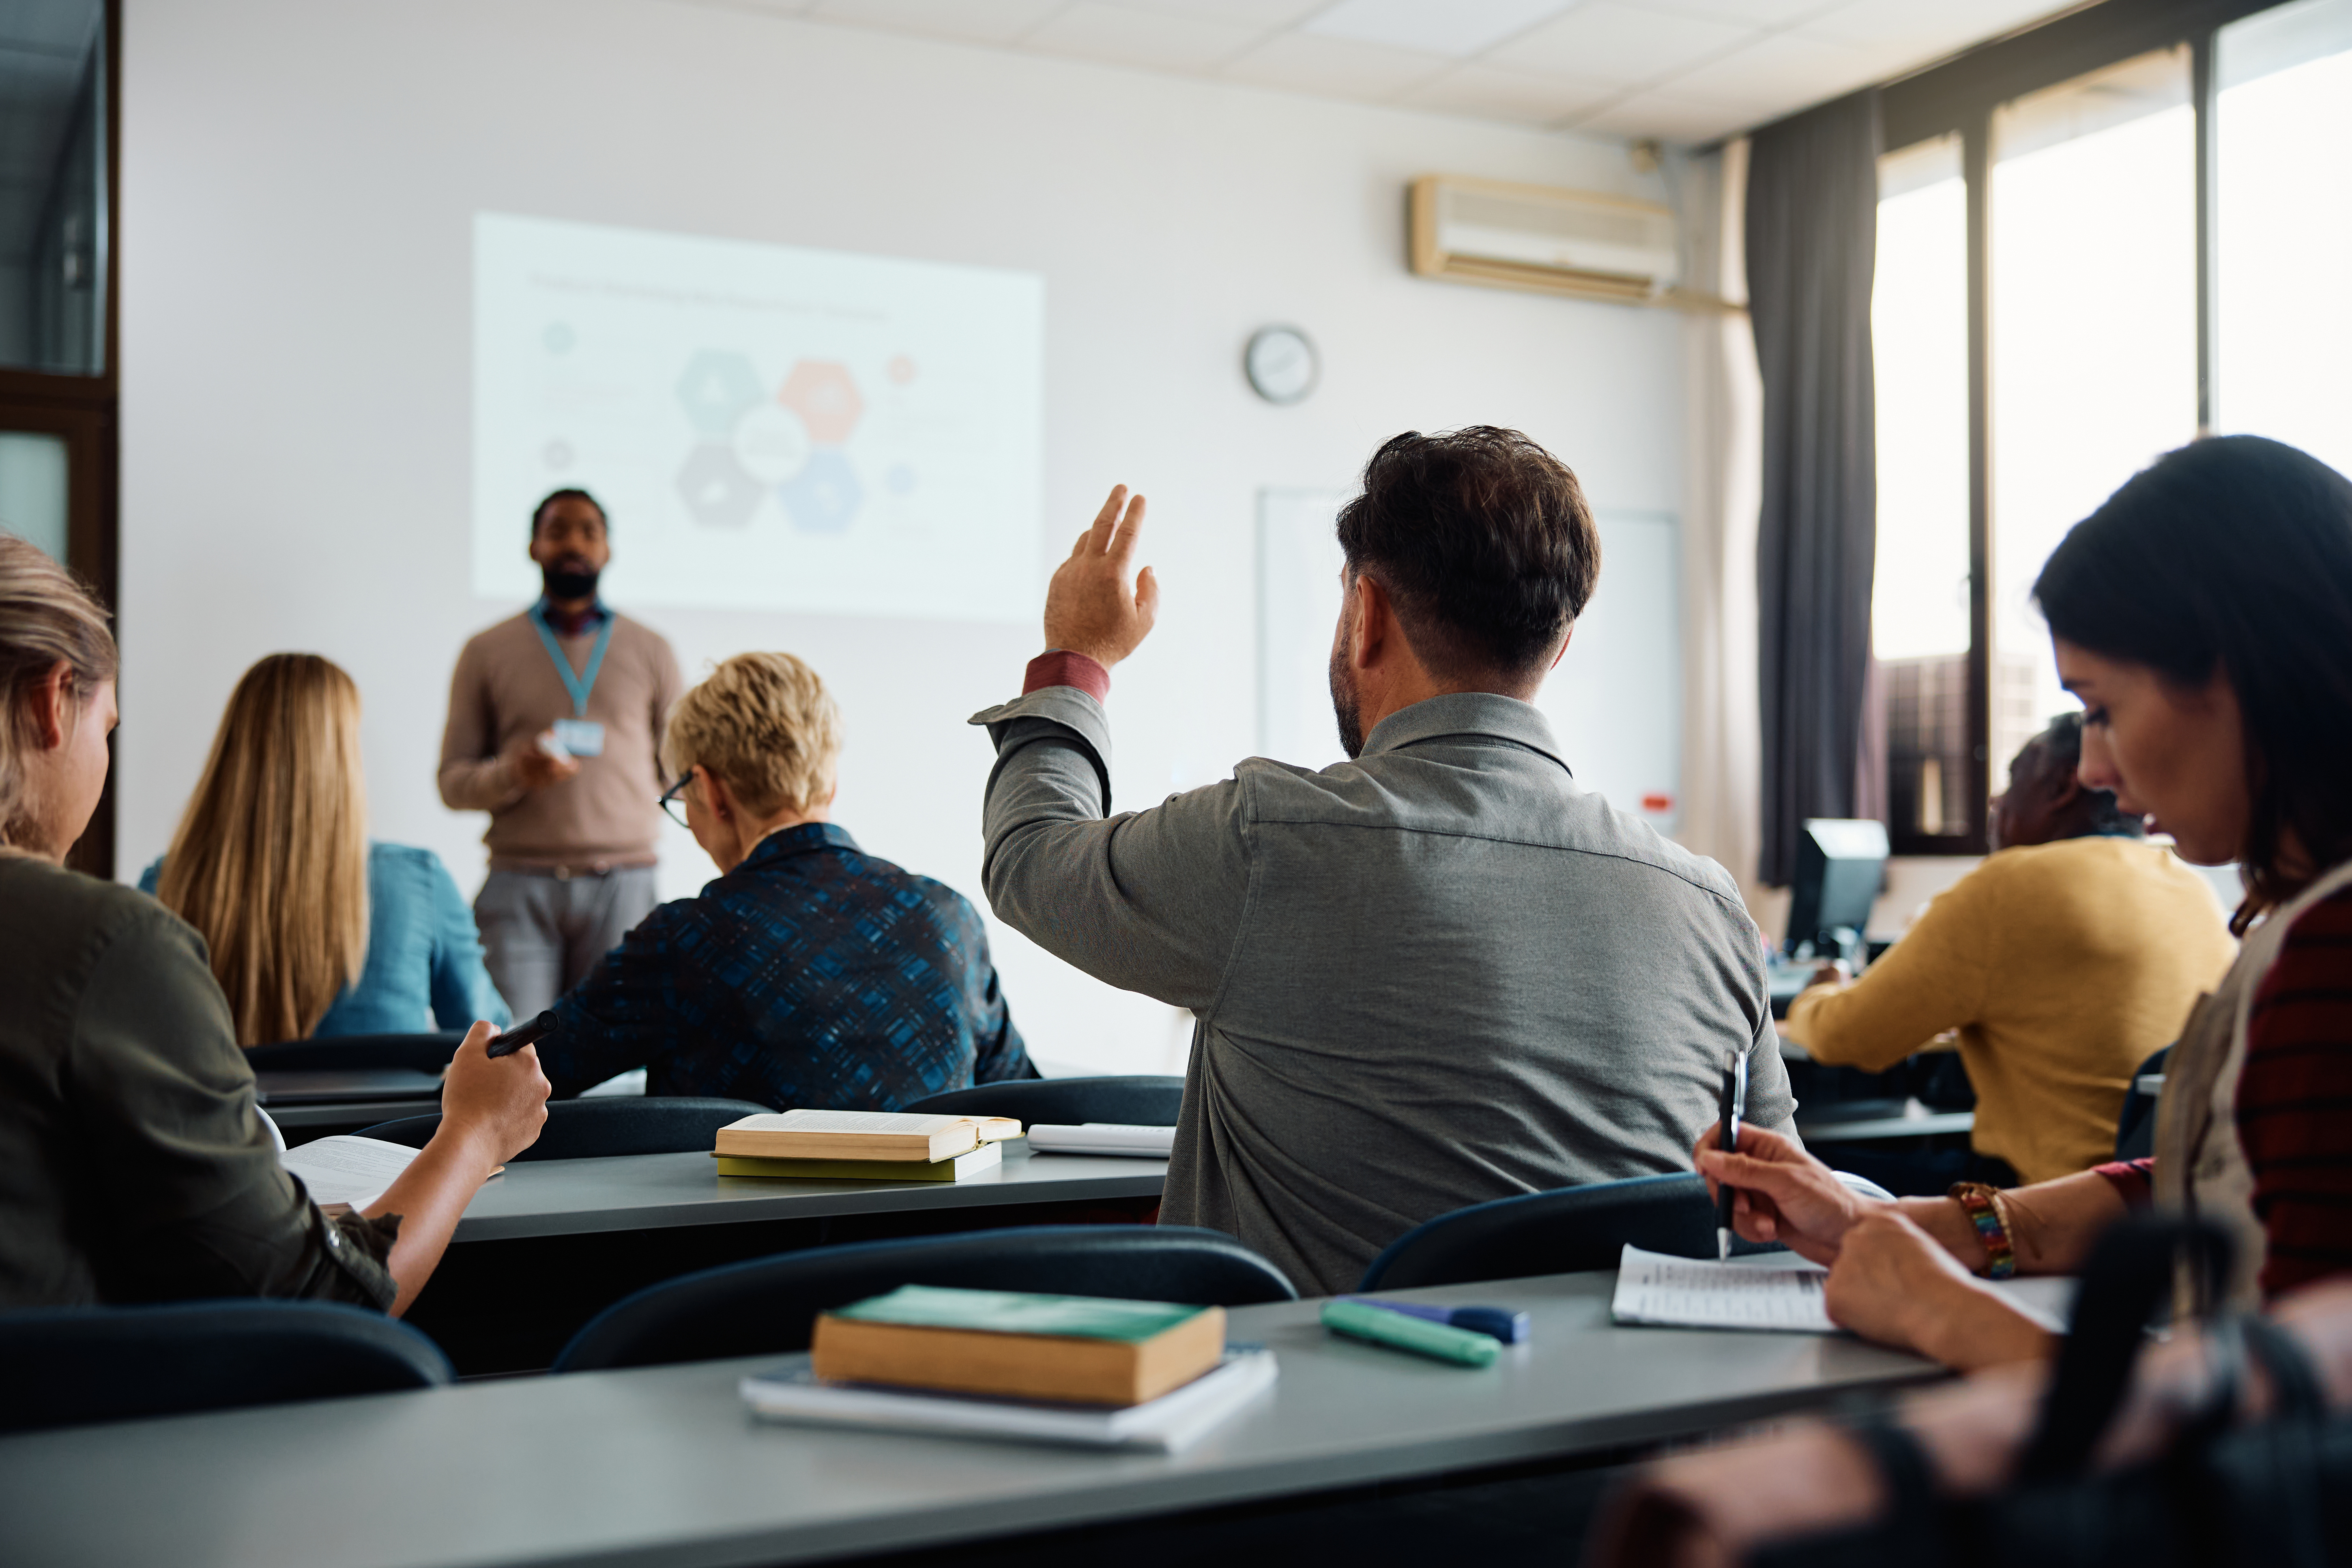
(138, 1167)
(313, 929)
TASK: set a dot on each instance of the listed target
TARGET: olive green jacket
(134, 1165)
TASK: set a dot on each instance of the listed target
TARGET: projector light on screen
(770, 427)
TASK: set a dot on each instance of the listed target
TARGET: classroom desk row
(663, 1467)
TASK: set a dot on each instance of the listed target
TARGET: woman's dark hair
(2235, 554)
(1484, 542)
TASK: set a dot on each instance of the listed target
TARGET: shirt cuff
(2134, 1181)
(1060, 667)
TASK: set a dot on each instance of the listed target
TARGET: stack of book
(1073, 1369)
(861, 1146)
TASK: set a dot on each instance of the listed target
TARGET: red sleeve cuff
(1060, 667)
(2134, 1181)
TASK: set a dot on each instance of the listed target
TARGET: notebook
(1172, 1422)
(859, 1135)
(347, 1169)
(1102, 1138)
(1700, 1293)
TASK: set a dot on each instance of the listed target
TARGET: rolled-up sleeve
(1149, 902)
(187, 1197)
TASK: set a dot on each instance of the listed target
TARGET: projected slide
(770, 427)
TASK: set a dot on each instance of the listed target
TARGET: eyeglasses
(671, 803)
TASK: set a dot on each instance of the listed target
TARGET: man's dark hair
(2058, 751)
(2234, 554)
(1484, 542)
(539, 512)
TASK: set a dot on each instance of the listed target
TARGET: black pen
(522, 1035)
(1735, 1106)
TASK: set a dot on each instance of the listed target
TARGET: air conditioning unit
(1553, 241)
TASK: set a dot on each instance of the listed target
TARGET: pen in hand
(522, 1035)
(1734, 1106)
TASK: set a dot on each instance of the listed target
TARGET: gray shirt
(1435, 975)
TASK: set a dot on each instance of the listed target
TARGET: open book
(347, 1169)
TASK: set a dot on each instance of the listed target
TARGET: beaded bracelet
(1980, 1204)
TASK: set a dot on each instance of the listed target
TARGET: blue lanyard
(578, 685)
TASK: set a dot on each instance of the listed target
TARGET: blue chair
(1139, 1102)
(66, 1366)
(418, 1053)
(2136, 1126)
(770, 1305)
(1569, 1231)
(590, 1129)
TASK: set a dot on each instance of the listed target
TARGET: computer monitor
(1840, 864)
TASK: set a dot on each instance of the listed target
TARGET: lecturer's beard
(564, 588)
(1345, 705)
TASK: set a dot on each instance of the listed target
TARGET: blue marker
(1500, 1323)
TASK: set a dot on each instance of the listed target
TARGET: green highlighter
(1441, 1341)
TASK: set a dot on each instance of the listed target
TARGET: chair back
(770, 1305)
(419, 1053)
(66, 1366)
(2136, 1126)
(590, 1129)
(1569, 1231)
(1144, 1100)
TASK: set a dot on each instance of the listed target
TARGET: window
(2285, 113)
(2097, 239)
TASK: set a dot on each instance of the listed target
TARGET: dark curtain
(1812, 245)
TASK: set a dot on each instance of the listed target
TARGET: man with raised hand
(1435, 974)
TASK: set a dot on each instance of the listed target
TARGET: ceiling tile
(1458, 28)
(1613, 42)
(1746, 13)
(974, 21)
(1263, 14)
(1924, 30)
(1335, 68)
(1777, 72)
(1667, 119)
(1158, 40)
(1489, 94)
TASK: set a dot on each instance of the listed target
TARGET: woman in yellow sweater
(2064, 960)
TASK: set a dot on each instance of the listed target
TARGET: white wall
(299, 179)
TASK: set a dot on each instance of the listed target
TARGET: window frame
(1959, 98)
(84, 410)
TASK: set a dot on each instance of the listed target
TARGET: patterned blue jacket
(812, 974)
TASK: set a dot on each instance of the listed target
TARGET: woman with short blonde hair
(809, 974)
(311, 928)
(138, 1167)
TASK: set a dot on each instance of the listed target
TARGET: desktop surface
(663, 1467)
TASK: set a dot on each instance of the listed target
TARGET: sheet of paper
(850, 1122)
(1697, 1293)
(347, 1169)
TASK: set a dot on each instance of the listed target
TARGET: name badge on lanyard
(579, 735)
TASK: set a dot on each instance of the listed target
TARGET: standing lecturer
(555, 720)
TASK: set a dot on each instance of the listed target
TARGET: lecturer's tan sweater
(2063, 966)
(506, 690)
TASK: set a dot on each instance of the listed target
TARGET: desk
(662, 1468)
(549, 1245)
(1913, 1121)
(659, 1192)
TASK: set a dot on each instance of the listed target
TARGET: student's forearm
(2050, 1225)
(430, 1197)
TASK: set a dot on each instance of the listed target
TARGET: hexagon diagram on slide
(822, 393)
(718, 386)
(715, 488)
(825, 496)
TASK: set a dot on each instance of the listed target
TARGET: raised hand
(1089, 607)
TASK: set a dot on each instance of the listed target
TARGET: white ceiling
(1680, 71)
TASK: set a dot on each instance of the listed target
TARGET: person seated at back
(809, 974)
(314, 929)
(2064, 960)
(1434, 974)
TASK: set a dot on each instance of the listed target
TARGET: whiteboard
(1615, 702)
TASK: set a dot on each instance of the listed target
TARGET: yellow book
(859, 1135)
(987, 1157)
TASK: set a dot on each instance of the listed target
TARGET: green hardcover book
(988, 1156)
(1017, 1312)
(1082, 1350)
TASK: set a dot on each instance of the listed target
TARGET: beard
(1345, 706)
(568, 580)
